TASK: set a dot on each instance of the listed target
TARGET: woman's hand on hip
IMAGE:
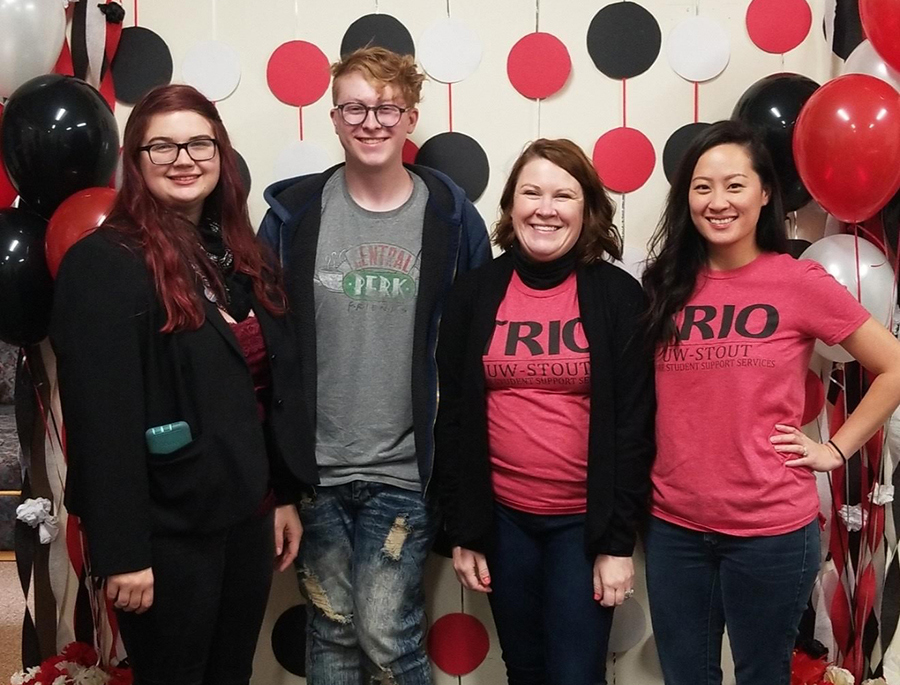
(471, 569)
(288, 531)
(131, 591)
(790, 441)
(613, 577)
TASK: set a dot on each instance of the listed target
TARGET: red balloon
(847, 143)
(881, 22)
(78, 216)
(815, 398)
(7, 192)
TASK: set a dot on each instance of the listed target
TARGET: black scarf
(238, 286)
(543, 275)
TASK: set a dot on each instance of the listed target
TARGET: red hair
(170, 243)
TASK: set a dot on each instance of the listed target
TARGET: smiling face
(185, 184)
(370, 145)
(725, 198)
(547, 211)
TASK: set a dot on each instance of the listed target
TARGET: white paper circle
(301, 157)
(698, 49)
(213, 68)
(449, 51)
(628, 627)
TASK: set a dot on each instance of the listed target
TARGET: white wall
(486, 107)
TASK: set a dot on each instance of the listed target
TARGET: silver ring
(629, 593)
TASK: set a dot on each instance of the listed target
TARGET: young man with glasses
(370, 249)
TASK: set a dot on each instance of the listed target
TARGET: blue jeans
(360, 567)
(758, 587)
(550, 628)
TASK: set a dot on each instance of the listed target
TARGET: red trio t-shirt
(537, 376)
(745, 340)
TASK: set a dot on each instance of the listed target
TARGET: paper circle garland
(538, 65)
(410, 150)
(289, 640)
(623, 40)
(677, 144)
(449, 51)
(142, 62)
(698, 49)
(301, 157)
(213, 68)
(461, 158)
(624, 158)
(458, 643)
(628, 627)
(778, 26)
(378, 29)
(7, 192)
(298, 73)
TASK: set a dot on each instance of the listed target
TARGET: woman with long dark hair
(733, 539)
(181, 399)
(545, 428)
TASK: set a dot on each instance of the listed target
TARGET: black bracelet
(831, 442)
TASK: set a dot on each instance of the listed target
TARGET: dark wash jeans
(701, 583)
(360, 567)
(551, 630)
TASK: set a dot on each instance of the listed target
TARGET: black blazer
(621, 442)
(118, 376)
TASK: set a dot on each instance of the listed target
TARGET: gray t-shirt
(365, 282)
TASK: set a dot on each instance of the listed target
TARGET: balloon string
(624, 124)
(871, 236)
(300, 117)
(856, 251)
(450, 107)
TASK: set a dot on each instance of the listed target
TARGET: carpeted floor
(12, 607)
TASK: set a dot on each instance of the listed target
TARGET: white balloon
(864, 60)
(875, 286)
(31, 38)
(628, 627)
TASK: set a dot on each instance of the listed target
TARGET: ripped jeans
(360, 567)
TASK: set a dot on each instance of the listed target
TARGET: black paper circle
(142, 62)
(289, 640)
(461, 158)
(244, 171)
(677, 144)
(382, 30)
(623, 40)
(26, 289)
(797, 246)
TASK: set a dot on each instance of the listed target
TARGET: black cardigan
(621, 432)
(119, 375)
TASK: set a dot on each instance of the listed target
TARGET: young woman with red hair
(181, 396)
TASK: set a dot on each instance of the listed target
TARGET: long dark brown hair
(169, 242)
(677, 250)
(599, 236)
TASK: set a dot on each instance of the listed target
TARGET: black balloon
(58, 136)
(772, 105)
(26, 289)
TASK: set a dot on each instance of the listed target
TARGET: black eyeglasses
(199, 150)
(355, 113)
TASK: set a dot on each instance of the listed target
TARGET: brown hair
(599, 236)
(382, 67)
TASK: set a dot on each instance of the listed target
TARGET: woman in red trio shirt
(733, 540)
(181, 397)
(545, 427)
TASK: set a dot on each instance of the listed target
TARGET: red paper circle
(815, 398)
(7, 192)
(538, 65)
(624, 158)
(409, 152)
(778, 26)
(298, 73)
(458, 643)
